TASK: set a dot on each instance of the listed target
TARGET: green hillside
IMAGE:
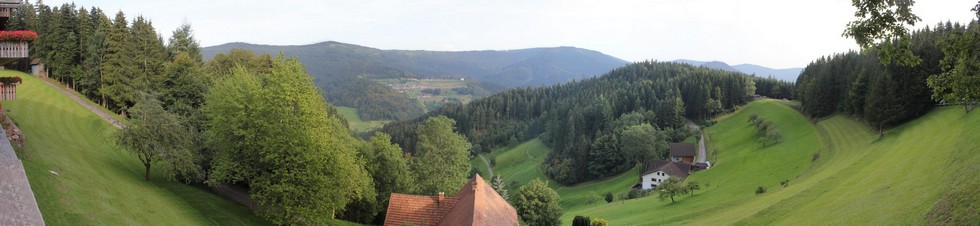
(854, 180)
(80, 178)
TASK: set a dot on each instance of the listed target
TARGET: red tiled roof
(416, 209)
(475, 204)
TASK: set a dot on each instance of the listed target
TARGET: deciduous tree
(670, 188)
(537, 204)
(273, 131)
(155, 135)
(443, 156)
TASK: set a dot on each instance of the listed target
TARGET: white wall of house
(653, 179)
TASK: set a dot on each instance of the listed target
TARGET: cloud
(774, 33)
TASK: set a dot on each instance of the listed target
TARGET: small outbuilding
(682, 152)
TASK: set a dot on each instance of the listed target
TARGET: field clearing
(355, 123)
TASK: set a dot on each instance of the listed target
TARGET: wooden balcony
(13, 51)
(7, 7)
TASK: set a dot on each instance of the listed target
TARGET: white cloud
(774, 33)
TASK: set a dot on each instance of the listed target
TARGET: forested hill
(343, 70)
(589, 124)
(510, 68)
(883, 96)
(785, 74)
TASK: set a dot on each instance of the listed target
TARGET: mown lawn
(80, 178)
(854, 178)
(895, 180)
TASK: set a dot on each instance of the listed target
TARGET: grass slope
(895, 180)
(742, 165)
(929, 164)
(356, 123)
(97, 183)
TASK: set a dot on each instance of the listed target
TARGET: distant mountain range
(509, 68)
(343, 70)
(786, 74)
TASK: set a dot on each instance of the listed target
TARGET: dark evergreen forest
(583, 121)
(858, 84)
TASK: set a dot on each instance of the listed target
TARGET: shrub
(609, 197)
(493, 160)
(760, 190)
(784, 183)
(599, 222)
(593, 198)
(581, 221)
(815, 157)
(753, 117)
(637, 193)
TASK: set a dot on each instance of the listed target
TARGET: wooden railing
(14, 49)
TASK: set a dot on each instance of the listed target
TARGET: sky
(771, 33)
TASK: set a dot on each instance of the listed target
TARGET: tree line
(241, 119)
(884, 94)
(596, 127)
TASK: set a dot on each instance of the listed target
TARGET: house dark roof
(681, 149)
(475, 204)
(675, 169)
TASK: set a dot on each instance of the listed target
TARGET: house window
(653, 179)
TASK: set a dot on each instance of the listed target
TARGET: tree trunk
(671, 199)
(147, 171)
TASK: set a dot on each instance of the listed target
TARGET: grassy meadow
(354, 121)
(838, 172)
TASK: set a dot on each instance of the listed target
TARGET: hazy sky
(772, 33)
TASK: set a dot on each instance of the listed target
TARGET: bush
(581, 221)
(593, 198)
(493, 160)
(637, 193)
(609, 197)
(784, 183)
(599, 222)
(760, 190)
(815, 157)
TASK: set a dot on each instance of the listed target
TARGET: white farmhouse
(658, 171)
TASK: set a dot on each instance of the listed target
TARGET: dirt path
(95, 109)
(702, 155)
(488, 165)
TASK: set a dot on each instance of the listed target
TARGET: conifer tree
(118, 66)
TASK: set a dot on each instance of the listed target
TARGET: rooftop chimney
(442, 198)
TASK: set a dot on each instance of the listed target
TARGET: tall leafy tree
(154, 135)
(537, 204)
(442, 160)
(959, 82)
(878, 23)
(272, 131)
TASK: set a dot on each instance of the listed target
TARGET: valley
(502, 113)
(835, 168)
